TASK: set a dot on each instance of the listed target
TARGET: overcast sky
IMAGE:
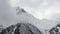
(7, 13)
(41, 9)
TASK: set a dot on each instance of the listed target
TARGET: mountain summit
(21, 28)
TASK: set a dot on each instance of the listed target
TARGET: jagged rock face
(55, 30)
(21, 28)
(8, 30)
(20, 10)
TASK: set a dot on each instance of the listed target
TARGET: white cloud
(41, 9)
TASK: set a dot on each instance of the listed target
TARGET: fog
(7, 13)
(44, 14)
(41, 9)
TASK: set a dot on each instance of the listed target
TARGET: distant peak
(20, 10)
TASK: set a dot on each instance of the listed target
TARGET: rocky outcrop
(55, 30)
(8, 30)
(21, 28)
(20, 10)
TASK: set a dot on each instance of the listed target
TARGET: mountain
(1, 28)
(43, 25)
(55, 29)
(21, 28)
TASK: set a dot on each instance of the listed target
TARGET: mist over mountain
(13, 15)
(42, 25)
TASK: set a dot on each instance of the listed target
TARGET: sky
(41, 9)
(7, 13)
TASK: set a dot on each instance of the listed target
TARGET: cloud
(41, 9)
(7, 13)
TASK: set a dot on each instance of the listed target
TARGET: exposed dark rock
(20, 10)
(8, 30)
(55, 30)
(21, 28)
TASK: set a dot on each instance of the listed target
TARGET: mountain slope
(21, 28)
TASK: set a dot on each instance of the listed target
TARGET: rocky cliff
(55, 30)
(21, 28)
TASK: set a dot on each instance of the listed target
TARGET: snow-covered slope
(42, 25)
